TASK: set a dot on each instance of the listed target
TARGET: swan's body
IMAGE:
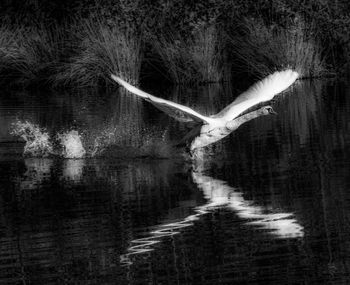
(215, 127)
(209, 135)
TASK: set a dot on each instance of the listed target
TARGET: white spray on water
(37, 139)
(40, 144)
(72, 146)
(111, 142)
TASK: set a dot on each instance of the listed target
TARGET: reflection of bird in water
(213, 128)
(219, 195)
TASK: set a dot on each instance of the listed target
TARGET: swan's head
(267, 110)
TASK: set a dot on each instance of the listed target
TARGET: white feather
(214, 127)
(164, 105)
(261, 91)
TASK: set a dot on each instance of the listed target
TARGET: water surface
(268, 205)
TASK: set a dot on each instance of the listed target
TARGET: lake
(269, 204)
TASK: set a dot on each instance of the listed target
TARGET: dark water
(270, 204)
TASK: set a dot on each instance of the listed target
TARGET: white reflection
(73, 169)
(220, 194)
(38, 169)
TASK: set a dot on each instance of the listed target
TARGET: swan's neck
(234, 124)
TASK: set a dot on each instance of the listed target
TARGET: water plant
(208, 55)
(102, 49)
(88, 40)
(263, 48)
(29, 54)
(197, 58)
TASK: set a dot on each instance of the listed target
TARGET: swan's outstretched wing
(177, 111)
(261, 91)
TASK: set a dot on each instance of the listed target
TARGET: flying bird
(212, 128)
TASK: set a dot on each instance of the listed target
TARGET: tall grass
(84, 52)
(199, 58)
(208, 55)
(101, 50)
(264, 48)
(8, 50)
(29, 54)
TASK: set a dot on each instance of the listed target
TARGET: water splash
(39, 143)
(37, 139)
(110, 142)
(151, 143)
(72, 146)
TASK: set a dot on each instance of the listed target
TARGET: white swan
(215, 127)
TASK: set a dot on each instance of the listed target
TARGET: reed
(208, 55)
(7, 46)
(29, 54)
(198, 58)
(173, 53)
(101, 50)
(264, 48)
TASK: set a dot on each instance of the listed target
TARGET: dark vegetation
(79, 43)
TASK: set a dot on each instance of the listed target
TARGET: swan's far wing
(261, 91)
(175, 110)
